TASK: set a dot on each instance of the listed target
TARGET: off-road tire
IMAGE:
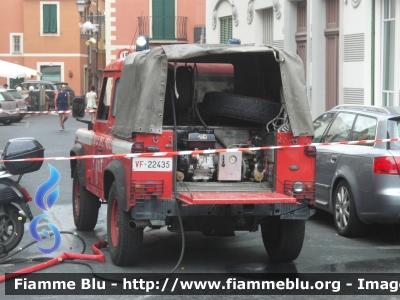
(345, 215)
(283, 239)
(9, 217)
(85, 206)
(240, 107)
(125, 244)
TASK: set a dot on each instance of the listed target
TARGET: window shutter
(49, 18)
(225, 30)
(163, 19)
(157, 19)
(53, 18)
(46, 18)
(169, 21)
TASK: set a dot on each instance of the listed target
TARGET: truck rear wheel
(283, 239)
(85, 206)
(125, 243)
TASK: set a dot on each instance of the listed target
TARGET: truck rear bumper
(235, 198)
(162, 209)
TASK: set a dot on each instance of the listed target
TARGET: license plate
(149, 164)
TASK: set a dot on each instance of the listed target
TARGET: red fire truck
(238, 116)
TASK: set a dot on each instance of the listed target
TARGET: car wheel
(240, 107)
(21, 116)
(7, 122)
(346, 220)
(85, 206)
(125, 243)
(283, 239)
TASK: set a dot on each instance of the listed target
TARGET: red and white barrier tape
(211, 151)
(43, 112)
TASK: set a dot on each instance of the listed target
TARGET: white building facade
(349, 47)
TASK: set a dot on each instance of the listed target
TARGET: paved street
(323, 251)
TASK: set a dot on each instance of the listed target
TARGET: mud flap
(116, 167)
(303, 213)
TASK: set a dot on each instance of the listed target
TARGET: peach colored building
(164, 21)
(44, 35)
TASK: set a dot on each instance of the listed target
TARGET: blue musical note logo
(40, 202)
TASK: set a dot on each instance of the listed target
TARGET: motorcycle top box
(23, 148)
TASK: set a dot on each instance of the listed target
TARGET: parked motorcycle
(14, 207)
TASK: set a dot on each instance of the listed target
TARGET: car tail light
(26, 194)
(137, 148)
(386, 165)
(310, 151)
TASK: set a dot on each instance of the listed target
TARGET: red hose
(98, 255)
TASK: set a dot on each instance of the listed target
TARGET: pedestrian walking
(62, 102)
(92, 101)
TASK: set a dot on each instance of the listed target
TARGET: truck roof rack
(363, 107)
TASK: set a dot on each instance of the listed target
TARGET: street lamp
(92, 25)
(81, 5)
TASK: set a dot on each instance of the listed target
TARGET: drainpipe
(373, 54)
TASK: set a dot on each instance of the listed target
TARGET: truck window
(220, 82)
(115, 101)
(105, 99)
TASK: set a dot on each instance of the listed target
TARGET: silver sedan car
(8, 108)
(21, 103)
(358, 184)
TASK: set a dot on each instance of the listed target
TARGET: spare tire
(240, 107)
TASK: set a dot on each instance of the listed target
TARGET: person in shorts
(91, 98)
(62, 103)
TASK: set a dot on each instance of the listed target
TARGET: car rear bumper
(4, 116)
(382, 206)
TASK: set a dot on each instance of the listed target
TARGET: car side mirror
(78, 107)
(78, 111)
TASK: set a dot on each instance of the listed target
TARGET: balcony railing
(164, 27)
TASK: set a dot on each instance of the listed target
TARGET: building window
(163, 19)
(225, 30)
(268, 22)
(199, 34)
(49, 18)
(388, 51)
(16, 43)
(50, 72)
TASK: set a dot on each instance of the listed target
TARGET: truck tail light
(147, 188)
(387, 165)
(137, 187)
(300, 189)
(150, 188)
(137, 148)
(310, 151)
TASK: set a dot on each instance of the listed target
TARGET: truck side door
(102, 141)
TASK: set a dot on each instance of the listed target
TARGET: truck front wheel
(125, 243)
(283, 239)
(85, 206)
